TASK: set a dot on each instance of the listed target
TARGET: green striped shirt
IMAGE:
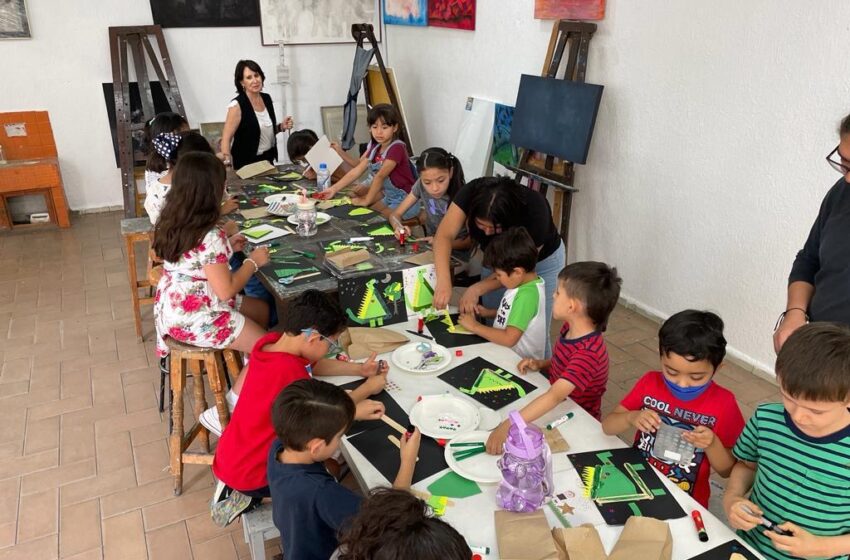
(799, 478)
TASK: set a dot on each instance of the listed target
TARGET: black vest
(246, 140)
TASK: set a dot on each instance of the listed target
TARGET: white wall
(62, 67)
(706, 168)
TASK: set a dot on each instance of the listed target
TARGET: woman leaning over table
(250, 126)
(819, 283)
(487, 206)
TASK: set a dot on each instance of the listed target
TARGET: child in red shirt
(311, 325)
(683, 395)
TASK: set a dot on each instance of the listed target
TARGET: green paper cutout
(606, 483)
(268, 189)
(452, 485)
(381, 231)
(257, 233)
(635, 509)
(423, 293)
(373, 309)
(394, 292)
(490, 380)
(360, 212)
(287, 272)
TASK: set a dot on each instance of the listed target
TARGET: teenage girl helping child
(197, 300)
(440, 179)
(390, 177)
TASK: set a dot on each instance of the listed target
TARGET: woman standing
(819, 283)
(249, 128)
(488, 206)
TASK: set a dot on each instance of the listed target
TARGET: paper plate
(444, 416)
(282, 204)
(481, 468)
(321, 218)
(409, 356)
(263, 232)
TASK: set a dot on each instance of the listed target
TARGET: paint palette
(444, 416)
(482, 467)
(421, 358)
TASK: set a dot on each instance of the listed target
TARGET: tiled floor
(83, 454)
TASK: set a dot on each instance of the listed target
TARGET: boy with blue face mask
(683, 401)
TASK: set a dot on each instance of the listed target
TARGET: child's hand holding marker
(373, 367)
(409, 448)
(369, 410)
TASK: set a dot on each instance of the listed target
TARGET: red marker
(458, 353)
(420, 326)
(701, 532)
(416, 247)
(401, 236)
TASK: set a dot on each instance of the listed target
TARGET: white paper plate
(273, 233)
(321, 218)
(281, 204)
(482, 468)
(409, 356)
(444, 416)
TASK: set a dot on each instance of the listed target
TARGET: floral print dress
(186, 308)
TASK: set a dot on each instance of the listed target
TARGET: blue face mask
(686, 393)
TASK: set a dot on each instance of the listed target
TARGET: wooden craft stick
(393, 424)
(305, 275)
(395, 441)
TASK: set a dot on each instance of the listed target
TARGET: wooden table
(473, 516)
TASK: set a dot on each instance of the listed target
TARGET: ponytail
(441, 159)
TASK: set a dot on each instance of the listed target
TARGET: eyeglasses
(333, 346)
(837, 162)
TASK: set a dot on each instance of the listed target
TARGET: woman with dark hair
(249, 128)
(819, 283)
(488, 206)
(394, 524)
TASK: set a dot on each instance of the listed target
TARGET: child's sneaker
(209, 417)
(225, 511)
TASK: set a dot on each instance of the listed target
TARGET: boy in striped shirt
(586, 294)
(794, 457)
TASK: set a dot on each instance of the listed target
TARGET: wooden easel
(137, 38)
(365, 32)
(577, 35)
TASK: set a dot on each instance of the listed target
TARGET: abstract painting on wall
(455, 14)
(569, 9)
(406, 12)
(504, 152)
(299, 23)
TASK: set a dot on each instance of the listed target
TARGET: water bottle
(526, 468)
(323, 178)
(306, 216)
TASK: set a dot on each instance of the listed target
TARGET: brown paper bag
(556, 441)
(360, 342)
(256, 169)
(345, 258)
(524, 536)
(421, 259)
(579, 543)
(644, 538)
(255, 213)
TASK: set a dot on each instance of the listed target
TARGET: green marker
(307, 254)
(555, 423)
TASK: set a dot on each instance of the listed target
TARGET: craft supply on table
(556, 441)
(443, 327)
(444, 416)
(767, 524)
(263, 232)
(282, 204)
(425, 336)
(555, 423)
(479, 466)
(452, 485)
(699, 525)
(372, 300)
(670, 447)
(487, 383)
(421, 357)
(254, 213)
(526, 467)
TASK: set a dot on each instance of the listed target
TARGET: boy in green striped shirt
(794, 457)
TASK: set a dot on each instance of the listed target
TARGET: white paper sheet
(323, 153)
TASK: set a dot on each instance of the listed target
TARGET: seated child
(156, 166)
(396, 524)
(794, 456)
(309, 329)
(586, 294)
(308, 506)
(440, 179)
(302, 141)
(520, 321)
(390, 176)
(683, 395)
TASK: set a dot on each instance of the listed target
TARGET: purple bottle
(526, 468)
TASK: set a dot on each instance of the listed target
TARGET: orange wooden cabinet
(37, 176)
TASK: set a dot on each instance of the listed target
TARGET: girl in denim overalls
(390, 174)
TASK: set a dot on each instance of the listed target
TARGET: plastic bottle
(323, 178)
(526, 468)
(306, 216)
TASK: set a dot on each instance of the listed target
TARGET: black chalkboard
(555, 117)
(206, 13)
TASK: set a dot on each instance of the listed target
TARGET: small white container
(40, 218)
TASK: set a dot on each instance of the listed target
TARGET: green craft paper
(452, 485)
(257, 233)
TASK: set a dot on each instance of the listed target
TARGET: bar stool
(217, 364)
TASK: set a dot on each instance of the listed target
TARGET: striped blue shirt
(799, 478)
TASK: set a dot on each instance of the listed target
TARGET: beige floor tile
(151, 461)
(221, 548)
(79, 528)
(38, 515)
(182, 507)
(169, 543)
(44, 548)
(137, 497)
(124, 537)
(17, 466)
(127, 422)
(113, 451)
(42, 435)
(57, 476)
(104, 483)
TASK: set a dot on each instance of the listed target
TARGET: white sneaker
(209, 417)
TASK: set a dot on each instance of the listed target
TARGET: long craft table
(473, 516)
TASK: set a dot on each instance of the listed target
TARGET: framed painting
(569, 9)
(306, 22)
(406, 12)
(212, 132)
(454, 14)
(205, 13)
(13, 20)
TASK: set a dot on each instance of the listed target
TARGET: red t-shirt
(716, 408)
(243, 450)
(402, 175)
(584, 363)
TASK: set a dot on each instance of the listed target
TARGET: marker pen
(555, 423)
(480, 549)
(700, 526)
(767, 524)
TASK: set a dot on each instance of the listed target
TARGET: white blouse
(266, 128)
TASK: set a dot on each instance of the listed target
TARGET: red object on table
(458, 353)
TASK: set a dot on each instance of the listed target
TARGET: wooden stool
(136, 230)
(179, 441)
(258, 527)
